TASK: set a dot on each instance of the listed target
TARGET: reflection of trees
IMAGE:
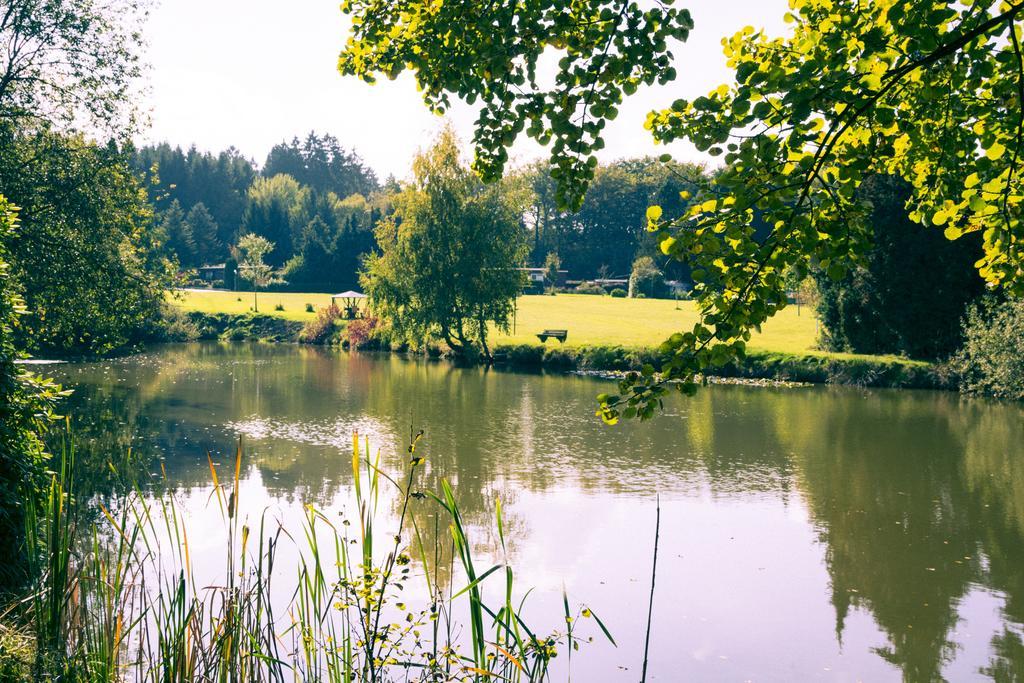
(993, 461)
(917, 496)
(1008, 658)
(892, 509)
(885, 480)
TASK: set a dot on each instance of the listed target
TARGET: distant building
(213, 273)
(611, 283)
(536, 277)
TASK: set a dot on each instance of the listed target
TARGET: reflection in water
(810, 533)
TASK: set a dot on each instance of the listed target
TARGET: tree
(26, 407)
(251, 250)
(204, 233)
(928, 92)
(450, 255)
(91, 270)
(276, 209)
(322, 164)
(607, 49)
(610, 228)
(911, 290)
(70, 62)
(220, 182)
(645, 277)
(552, 264)
(178, 233)
(332, 247)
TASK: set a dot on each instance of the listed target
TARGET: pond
(811, 533)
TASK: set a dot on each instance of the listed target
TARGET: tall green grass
(119, 600)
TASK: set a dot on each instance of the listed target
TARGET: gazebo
(350, 303)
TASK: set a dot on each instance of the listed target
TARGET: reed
(119, 599)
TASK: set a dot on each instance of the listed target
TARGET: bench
(560, 335)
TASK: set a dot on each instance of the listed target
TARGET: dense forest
(318, 202)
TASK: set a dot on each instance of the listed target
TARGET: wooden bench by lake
(560, 335)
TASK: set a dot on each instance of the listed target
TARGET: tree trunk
(447, 334)
(483, 339)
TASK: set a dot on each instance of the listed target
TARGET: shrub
(521, 354)
(309, 308)
(991, 361)
(279, 307)
(177, 326)
(319, 329)
(646, 278)
(365, 332)
(590, 288)
(619, 293)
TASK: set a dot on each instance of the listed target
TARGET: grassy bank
(243, 327)
(605, 334)
(816, 368)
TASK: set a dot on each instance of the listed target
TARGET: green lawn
(589, 319)
(241, 302)
(640, 322)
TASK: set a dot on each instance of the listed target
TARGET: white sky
(251, 73)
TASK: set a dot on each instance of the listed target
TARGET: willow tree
(931, 92)
(450, 254)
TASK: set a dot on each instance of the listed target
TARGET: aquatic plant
(122, 601)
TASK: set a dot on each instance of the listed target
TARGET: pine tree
(179, 234)
(204, 229)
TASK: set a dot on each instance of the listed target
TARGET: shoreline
(605, 361)
(781, 367)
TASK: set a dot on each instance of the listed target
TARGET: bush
(319, 329)
(528, 355)
(309, 308)
(619, 293)
(177, 326)
(279, 307)
(646, 278)
(590, 288)
(365, 333)
(991, 361)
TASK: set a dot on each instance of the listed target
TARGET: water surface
(807, 534)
